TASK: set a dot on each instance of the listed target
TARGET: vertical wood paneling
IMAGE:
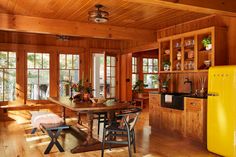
(129, 77)
(123, 75)
(20, 76)
(54, 74)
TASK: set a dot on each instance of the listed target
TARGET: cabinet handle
(212, 94)
(193, 103)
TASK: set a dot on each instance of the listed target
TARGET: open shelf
(205, 58)
(194, 56)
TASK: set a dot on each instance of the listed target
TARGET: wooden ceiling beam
(29, 24)
(141, 48)
(220, 7)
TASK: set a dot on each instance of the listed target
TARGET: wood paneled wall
(221, 21)
(77, 42)
(230, 23)
(126, 77)
(176, 83)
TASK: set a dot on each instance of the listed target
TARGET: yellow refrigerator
(221, 110)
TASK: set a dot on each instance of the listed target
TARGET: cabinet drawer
(193, 104)
(154, 99)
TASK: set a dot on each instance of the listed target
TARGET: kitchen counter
(183, 94)
(189, 121)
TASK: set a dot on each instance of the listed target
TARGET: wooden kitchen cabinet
(172, 120)
(154, 110)
(195, 119)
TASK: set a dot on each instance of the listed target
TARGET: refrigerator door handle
(212, 94)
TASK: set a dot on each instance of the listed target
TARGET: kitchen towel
(168, 98)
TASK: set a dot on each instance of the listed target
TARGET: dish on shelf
(167, 51)
(189, 42)
(207, 63)
(190, 54)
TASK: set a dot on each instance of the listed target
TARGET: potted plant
(139, 88)
(88, 92)
(166, 65)
(78, 88)
(207, 43)
(165, 83)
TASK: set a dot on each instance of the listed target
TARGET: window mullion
(3, 76)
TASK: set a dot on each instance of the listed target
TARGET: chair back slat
(129, 118)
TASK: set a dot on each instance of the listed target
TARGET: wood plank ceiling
(122, 13)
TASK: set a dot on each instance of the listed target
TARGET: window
(69, 71)
(134, 70)
(7, 76)
(38, 76)
(150, 72)
(110, 77)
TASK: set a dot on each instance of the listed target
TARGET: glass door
(110, 75)
(98, 75)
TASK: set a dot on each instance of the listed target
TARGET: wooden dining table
(89, 108)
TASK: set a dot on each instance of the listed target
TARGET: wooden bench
(141, 101)
(50, 123)
(53, 131)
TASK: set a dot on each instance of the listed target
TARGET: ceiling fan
(98, 15)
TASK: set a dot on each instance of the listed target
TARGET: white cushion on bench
(44, 118)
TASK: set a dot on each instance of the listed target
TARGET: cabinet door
(155, 118)
(195, 121)
(154, 111)
(194, 125)
(172, 120)
(154, 99)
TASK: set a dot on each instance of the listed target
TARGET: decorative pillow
(44, 118)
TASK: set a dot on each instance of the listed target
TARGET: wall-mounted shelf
(188, 54)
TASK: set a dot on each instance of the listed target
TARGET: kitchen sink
(173, 100)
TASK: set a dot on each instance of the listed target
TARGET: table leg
(89, 140)
(79, 118)
(63, 114)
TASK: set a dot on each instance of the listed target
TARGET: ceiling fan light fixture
(98, 15)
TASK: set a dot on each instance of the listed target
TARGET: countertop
(182, 94)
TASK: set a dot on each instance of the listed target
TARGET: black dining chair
(122, 128)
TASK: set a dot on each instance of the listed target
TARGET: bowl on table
(98, 100)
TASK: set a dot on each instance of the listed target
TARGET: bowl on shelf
(207, 63)
(167, 51)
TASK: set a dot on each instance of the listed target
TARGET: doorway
(104, 75)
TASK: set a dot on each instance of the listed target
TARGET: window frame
(38, 72)
(4, 73)
(135, 64)
(68, 69)
(150, 73)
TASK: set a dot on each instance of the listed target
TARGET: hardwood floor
(16, 141)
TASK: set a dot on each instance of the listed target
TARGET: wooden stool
(53, 130)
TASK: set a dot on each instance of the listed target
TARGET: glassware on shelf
(178, 66)
(190, 65)
(179, 55)
(186, 65)
(189, 42)
(177, 45)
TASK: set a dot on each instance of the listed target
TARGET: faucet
(191, 84)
